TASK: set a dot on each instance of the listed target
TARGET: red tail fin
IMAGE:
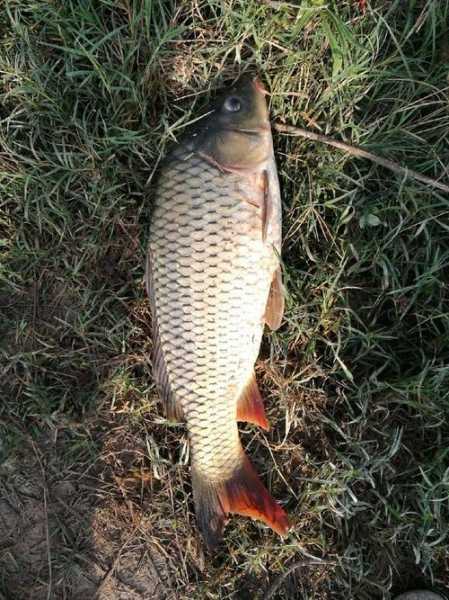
(243, 494)
(246, 495)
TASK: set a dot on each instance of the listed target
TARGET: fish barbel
(214, 280)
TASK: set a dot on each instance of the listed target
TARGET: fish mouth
(251, 131)
(259, 86)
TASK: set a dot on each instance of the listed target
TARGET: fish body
(214, 280)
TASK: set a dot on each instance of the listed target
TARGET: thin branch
(47, 531)
(96, 561)
(360, 153)
(280, 580)
(116, 561)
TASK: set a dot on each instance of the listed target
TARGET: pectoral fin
(267, 208)
(274, 310)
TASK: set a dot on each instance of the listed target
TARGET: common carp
(214, 279)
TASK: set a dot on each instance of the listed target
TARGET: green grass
(357, 379)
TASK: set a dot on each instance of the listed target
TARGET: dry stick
(360, 153)
(302, 563)
(116, 561)
(105, 569)
(47, 531)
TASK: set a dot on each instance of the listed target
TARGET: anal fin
(250, 405)
(274, 310)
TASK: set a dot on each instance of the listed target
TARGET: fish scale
(210, 270)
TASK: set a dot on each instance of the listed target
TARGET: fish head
(243, 107)
(237, 134)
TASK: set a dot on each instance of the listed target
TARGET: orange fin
(246, 495)
(243, 494)
(250, 405)
(274, 310)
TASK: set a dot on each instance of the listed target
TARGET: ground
(95, 497)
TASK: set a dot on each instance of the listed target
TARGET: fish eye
(232, 104)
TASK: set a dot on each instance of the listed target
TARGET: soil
(61, 537)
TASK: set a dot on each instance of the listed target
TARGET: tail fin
(243, 494)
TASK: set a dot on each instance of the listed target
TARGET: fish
(214, 279)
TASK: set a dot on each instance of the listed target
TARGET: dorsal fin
(172, 408)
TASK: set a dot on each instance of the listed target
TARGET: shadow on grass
(77, 487)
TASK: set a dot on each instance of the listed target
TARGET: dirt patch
(60, 532)
(32, 511)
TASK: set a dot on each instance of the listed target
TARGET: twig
(360, 153)
(94, 560)
(279, 581)
(116, 560)
(47, 532)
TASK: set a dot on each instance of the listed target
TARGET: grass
(357, 379)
